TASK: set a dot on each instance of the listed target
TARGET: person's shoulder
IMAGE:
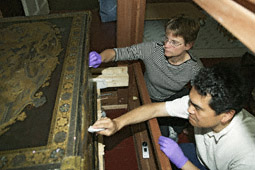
(144, 44)
(246, 116)
(153, 43)
(243, 124)
(192, 56)
(183, 99)
(195, 61)
(151, 46)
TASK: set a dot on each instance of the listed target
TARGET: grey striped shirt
(162, 78)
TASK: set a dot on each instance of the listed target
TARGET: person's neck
(179, 59)
(220, 127)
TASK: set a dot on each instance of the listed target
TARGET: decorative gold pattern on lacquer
(28, 57)
(20, 117)
(71, 163)
(55, 150)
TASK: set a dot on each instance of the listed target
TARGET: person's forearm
(108, 55)
(141, 114)
(189, 166)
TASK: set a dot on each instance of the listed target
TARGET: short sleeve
(178, 107)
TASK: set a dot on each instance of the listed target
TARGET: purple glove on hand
(172, 151)
(95, 59)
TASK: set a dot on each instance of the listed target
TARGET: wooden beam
(100, 140)
(249, 4)
(236, 18)
(117, 106)
(110, 70)
(163, 160)
(140, 131)
(130, 22)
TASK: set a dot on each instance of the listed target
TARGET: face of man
(201, 114)
(175, 45)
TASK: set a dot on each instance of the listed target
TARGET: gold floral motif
(29, 54)
(38, 157)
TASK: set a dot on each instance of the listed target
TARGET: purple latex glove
(172, 151)
(95, 59)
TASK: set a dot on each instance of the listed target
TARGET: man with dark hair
(224, 131)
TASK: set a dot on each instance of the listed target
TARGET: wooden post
(130, 22)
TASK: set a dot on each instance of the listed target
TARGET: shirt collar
(224, 131)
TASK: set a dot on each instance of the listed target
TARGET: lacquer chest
(46, 93)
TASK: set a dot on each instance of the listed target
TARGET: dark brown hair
(185, 27)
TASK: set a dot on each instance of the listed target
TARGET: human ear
(227, 116)
(189, 45)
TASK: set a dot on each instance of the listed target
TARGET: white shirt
(233, 148)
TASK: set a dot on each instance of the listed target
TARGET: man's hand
(172, 151)
(106, 123)
(95, 59)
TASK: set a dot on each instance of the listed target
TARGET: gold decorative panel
(46, 95)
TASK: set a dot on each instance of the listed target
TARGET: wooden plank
(140, 131)
(234, 17)
(111, 81)
(110, 70)
(115, 70)
(162, 159)
(249, 4)
(100, 137)
(117, 106)
(112, 77)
